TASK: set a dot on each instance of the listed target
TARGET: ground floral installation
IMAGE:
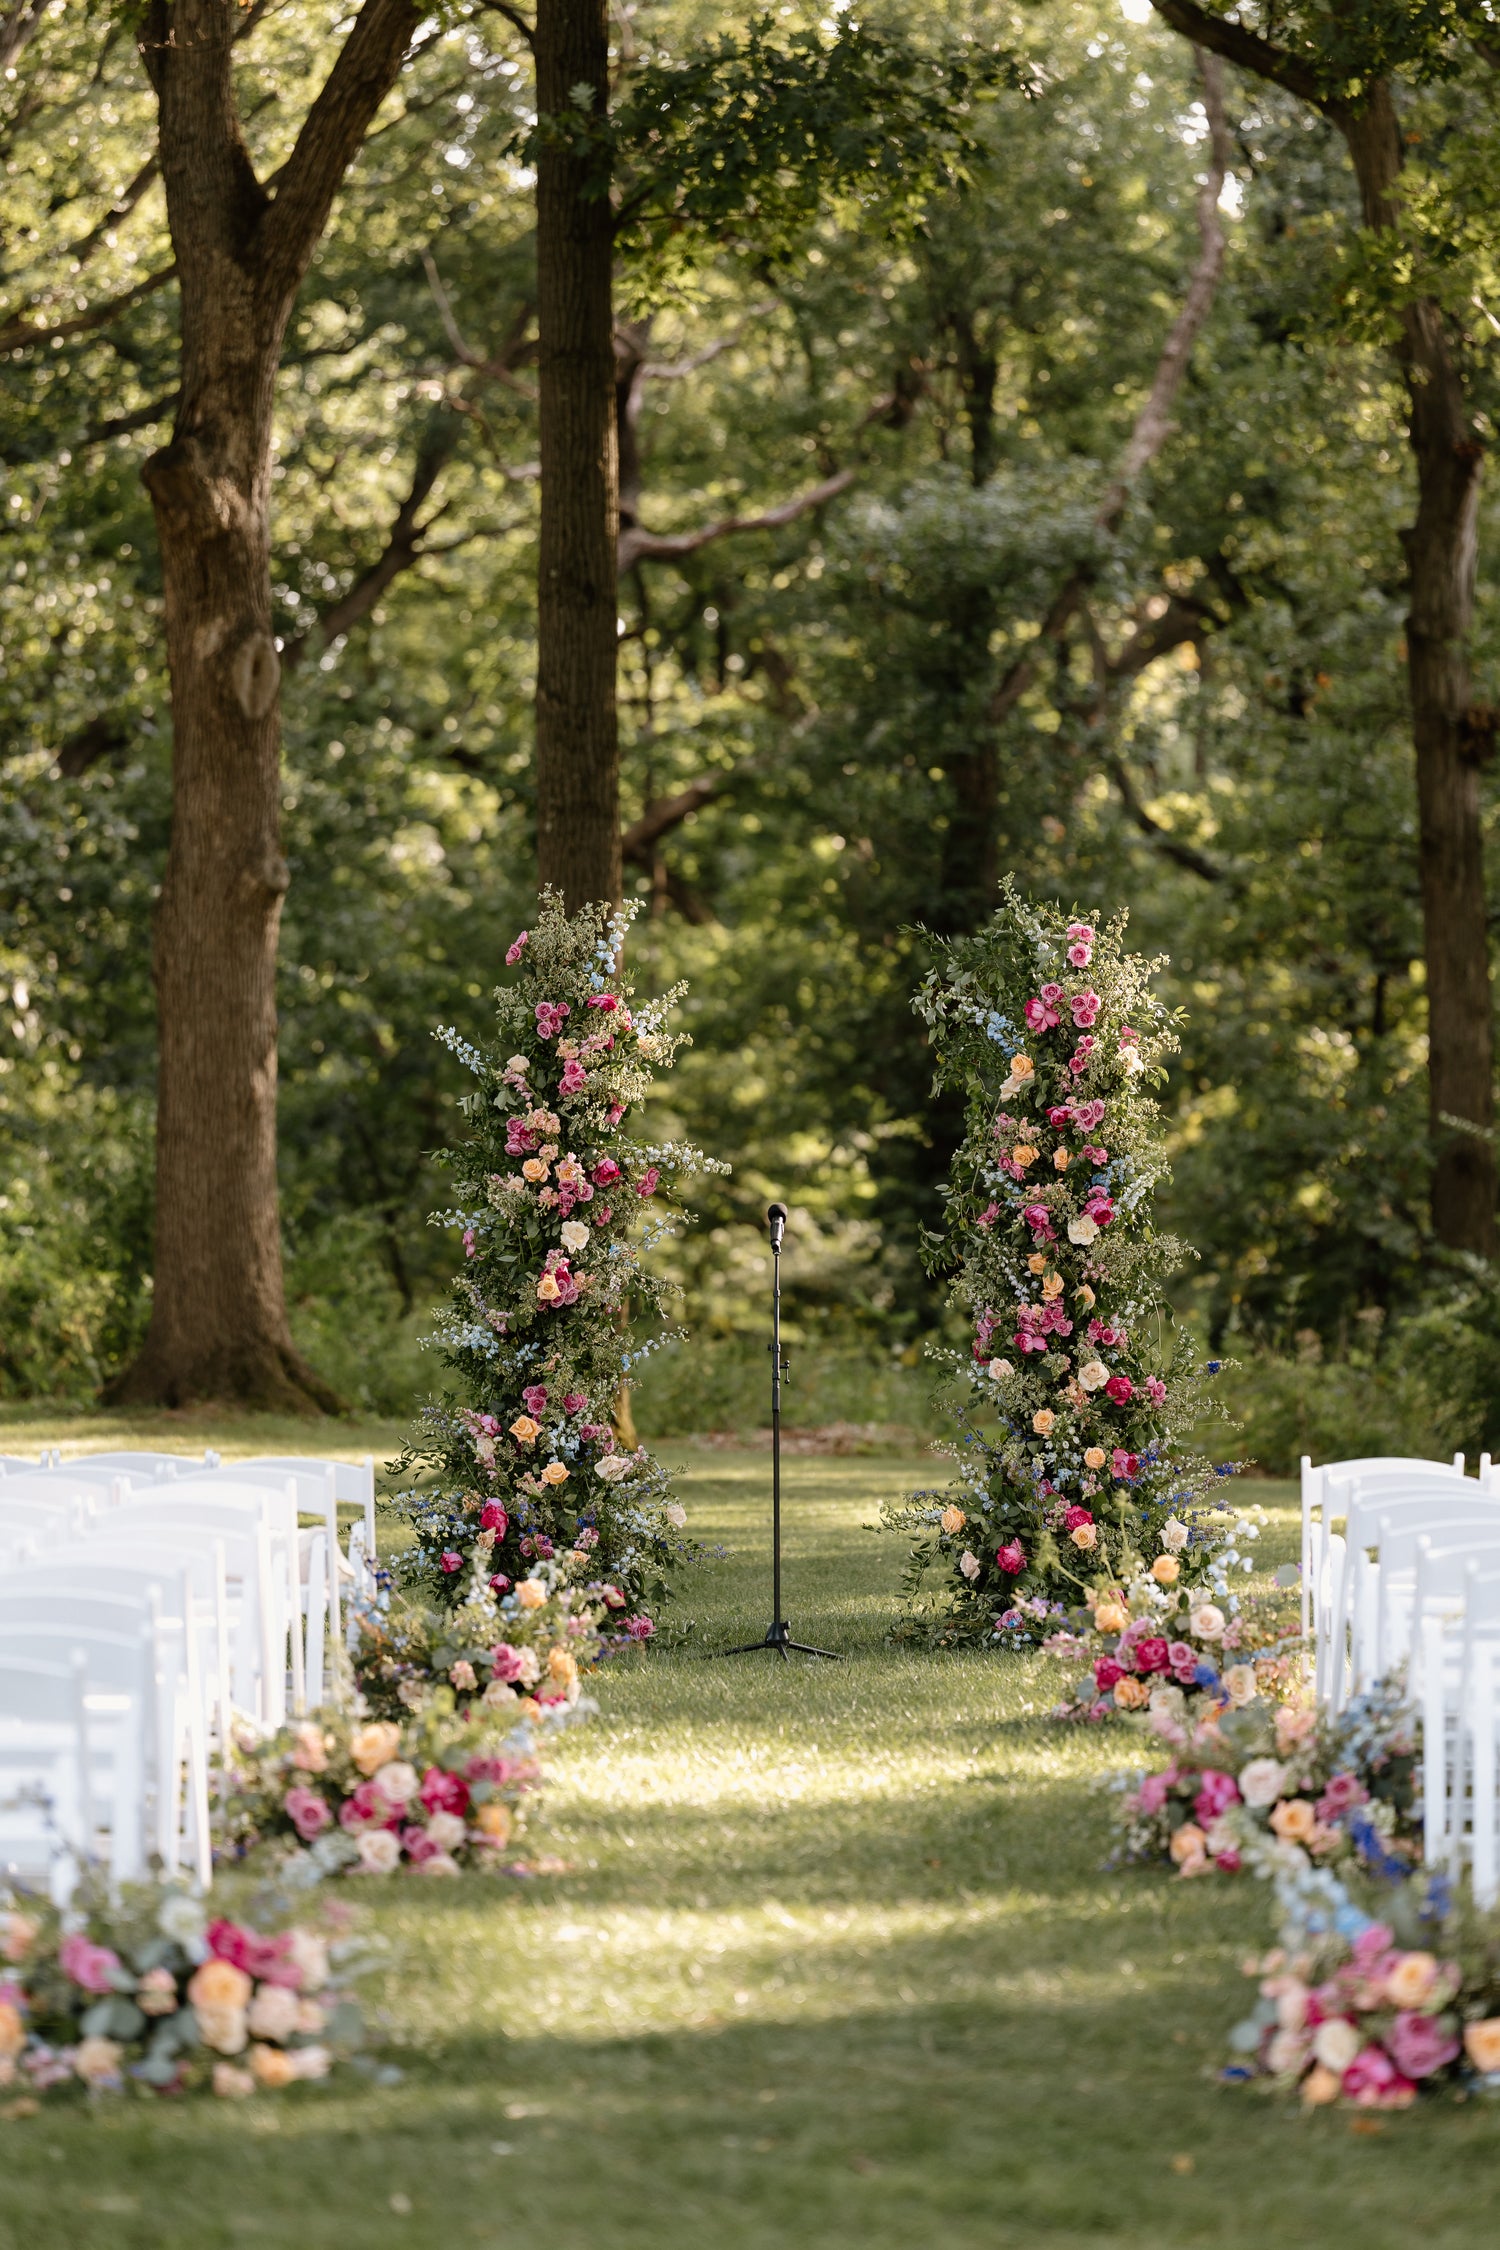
(1385, 1985)
(438, 1791)
(149, 1994)
(1050, 1029)
(1268, 1769)
(529, 1462)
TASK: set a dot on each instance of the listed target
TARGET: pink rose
(1061, 1117)
(364, 1808)
(534, 1397)
(574, 1077)
(449, 1562)
(444, 1792)
(639, 1628)
(1152, 1794)
(1106, 1672)
(1121, 1463)
(493, 1518)
(1120, 1389)
(513, 952)
(1344, 1791)
(1156, 1390)
(1216, 1793)
(307, 1812)
(1228, 1863)
(1085, 1007)
(1074, 1516)
(1419, 2046)
(574, 1402)
(1011, 1558)
(649, 1181)
(1035, 1216)
(507, 1663)
(1078, 1061)
(1080, 955)
(606, 1172)
(88, 1965)
(1039, 1017)
(1372, 2081)
(1152, 1655)
(1088, 1116)
(604, 1000)
(1183, 1658)
(470, 1245)
(499, 1584)
(418, 1845)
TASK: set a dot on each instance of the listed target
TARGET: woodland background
(857, 460)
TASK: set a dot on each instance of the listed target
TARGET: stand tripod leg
(803, 1650)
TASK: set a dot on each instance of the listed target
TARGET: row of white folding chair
(1358, 1504)
(1458, 1680)
(1315, 1517)
(1372, 1606)
(75, 1730)
(40, 1616)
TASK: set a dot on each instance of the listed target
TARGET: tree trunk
(577, 736)
(218, 1320)
(1449, 736)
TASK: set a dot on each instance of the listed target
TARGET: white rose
(273, 2013)
(519, 1064)
(1287, 2051)
(998, 1369)
(614, 1466)
(1335, 2044)
(676, 1515)
(310, 2062)
(1093, 1375)
(379, 1852)
(446, 1830)
(396, 1782)
(1261, 1782)
(1207, 1623)
(575, 1234)
(969, 1564)
(310, 1953)
(441, 1863)
(1174, 1535)
(1083, 1228)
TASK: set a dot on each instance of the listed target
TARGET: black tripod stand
(779, 1632)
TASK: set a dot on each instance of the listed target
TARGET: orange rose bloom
(1293, 1820)
(219, 1984)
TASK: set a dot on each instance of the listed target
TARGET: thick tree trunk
(577, 737)
(1449, 738)
(218, 1322)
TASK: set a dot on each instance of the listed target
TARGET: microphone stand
(779, 1632)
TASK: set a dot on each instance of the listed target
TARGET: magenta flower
(364, 1808)
(507, 1663)
(1183, 1656)
(1061, 1117)
(1121, 1463)
(1419, 2045)
(1088, 1116)
(649, 1181)
(1106, 1672)
(418, 1845)
(449, 1562)
(1156, 1390)
(513, 952)
(442, 1791)
(499, 1584)
(1039, 1017)
(574, 1077)
(534, 1398)
(1120, 1389)
(307, 1812)
(1216, 1793)
(493, 1518)
(606, 1172)
(1151, 1655)
(1151, 1797)
(574, 1402)
(90, 1966)
(1372, 2081)
(1074, 1516)
(604, 1000)
(1078, 1061)
(1011, 1558)
(639, 1628)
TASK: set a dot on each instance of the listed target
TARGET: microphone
(776, 1220)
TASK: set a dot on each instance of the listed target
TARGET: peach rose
(952, 1519)
(1166, 1570)
(523, 1429)
(1293, 1820)
(1111, 1617)
(1085, 1536)
(1094, 1458)
(531, 1594)
(494, 1821)
(556, 1472)
(232, 2085)
(1411, 1981)
(1189, 1845)
(219, 1984)
(1043, 1421)
(1132, 1694)
(1321, 2085)
(374, 1745)
(1482, 2045)
(12, 2032)
(272, 2066)
(222, 2028)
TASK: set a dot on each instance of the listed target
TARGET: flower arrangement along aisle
(1074, 1401)
(1262, 1772)
(439, 1791)
(552, 1192)
(147, 1994)
(1378, 1991)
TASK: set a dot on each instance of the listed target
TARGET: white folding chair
(144, 1468)
(45, 1812)
(1315, 1523)
(77, 1600)
(1361, 1502)
(120, 1693)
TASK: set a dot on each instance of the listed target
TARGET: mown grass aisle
(836, 1963)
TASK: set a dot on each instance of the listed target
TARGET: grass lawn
(836, 1965)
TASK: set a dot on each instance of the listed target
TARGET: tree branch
(366, 69)
(667, 813)
(20, 20)
(404, 545)
(1170, 846)
(499, 368)
(1153, 424)
(1244, 48)
(637, 545)
(19, 335)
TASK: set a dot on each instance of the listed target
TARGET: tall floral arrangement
(557, 1202)
(1076, 1392)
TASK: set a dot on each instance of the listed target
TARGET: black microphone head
(776, 1220)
